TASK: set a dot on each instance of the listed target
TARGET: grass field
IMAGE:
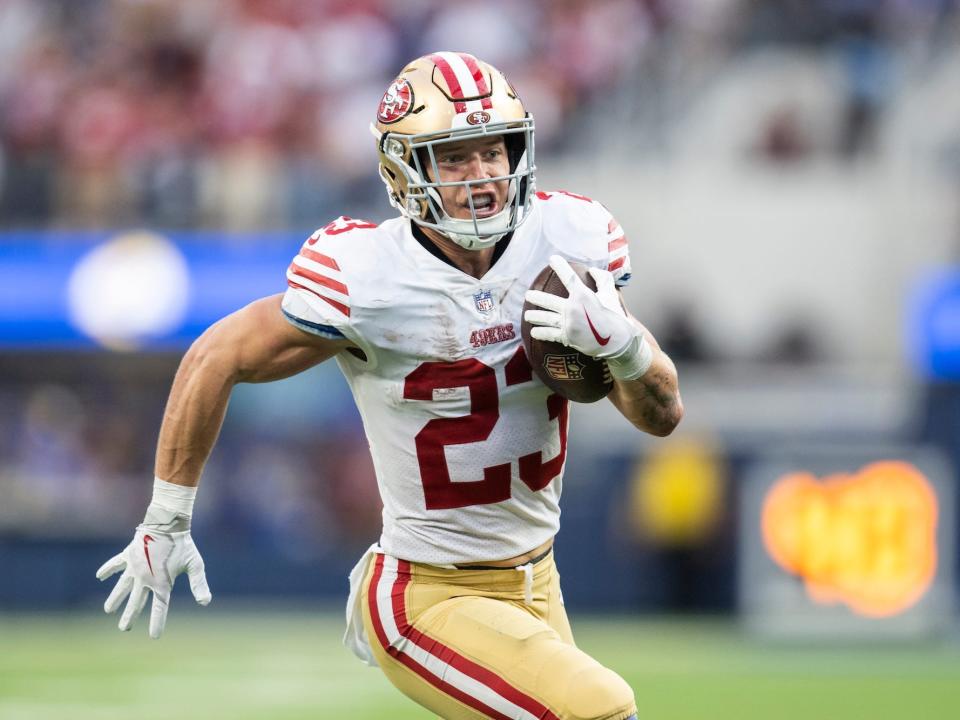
(218, 665)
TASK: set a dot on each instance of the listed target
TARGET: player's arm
(255, 344)
(645, 380)
(651, 401)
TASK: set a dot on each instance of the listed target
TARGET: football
(566, 371)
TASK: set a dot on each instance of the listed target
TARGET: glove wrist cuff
(177, 498)
(634, 361)
(170, 508)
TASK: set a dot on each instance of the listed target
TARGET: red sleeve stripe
(318, 278)
(345, 309)
(615, 244)
(618, 263)
(319, 258)
(613, 225)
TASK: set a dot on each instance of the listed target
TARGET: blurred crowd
(77, 451)
(247, 114)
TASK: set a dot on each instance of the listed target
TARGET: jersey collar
(421, 237)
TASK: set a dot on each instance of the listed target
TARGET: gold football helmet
(449, 97)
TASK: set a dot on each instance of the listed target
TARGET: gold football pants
(488, 643)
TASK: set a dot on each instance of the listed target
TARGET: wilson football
(566, 371)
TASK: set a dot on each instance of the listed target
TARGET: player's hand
(151, 563)
(592, 322)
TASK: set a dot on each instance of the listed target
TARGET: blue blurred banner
(131, 290)
(933, 325)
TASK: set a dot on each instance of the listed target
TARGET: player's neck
(472, 262)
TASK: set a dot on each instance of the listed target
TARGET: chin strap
(471, 241)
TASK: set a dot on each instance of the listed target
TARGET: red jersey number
(438, 489)
(546, 195)
(440, 492)
(341, 225)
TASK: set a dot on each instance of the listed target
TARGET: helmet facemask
(405, 160)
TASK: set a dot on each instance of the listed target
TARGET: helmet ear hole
(516, 147)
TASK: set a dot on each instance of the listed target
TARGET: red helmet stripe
(482, 89)
(450, 77)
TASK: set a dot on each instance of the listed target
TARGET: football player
(459, 601)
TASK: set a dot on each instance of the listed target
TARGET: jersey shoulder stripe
(314, 290)
(319, 258)
(331, 280)
(319, 273)
(587, 231)
(619, 253)
(328, 331)
(307, 268)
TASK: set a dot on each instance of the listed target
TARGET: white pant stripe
(434, 665)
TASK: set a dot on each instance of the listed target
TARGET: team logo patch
(397, 102)
(491, 335)
(478, 117)
(484, 301)
(563, 367)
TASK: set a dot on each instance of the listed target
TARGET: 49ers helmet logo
(397, 102)
(478, 117)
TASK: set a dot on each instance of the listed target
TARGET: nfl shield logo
(484, 301)
(563, 367)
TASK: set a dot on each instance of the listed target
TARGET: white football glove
(594, 323)
(151, 562)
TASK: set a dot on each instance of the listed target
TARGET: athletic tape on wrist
(176, 498)
(633, 362)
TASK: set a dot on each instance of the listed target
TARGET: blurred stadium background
(788, 172)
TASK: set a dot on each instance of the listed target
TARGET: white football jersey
(468, 444)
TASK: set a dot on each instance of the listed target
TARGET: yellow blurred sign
(677, 493)
(867, 539)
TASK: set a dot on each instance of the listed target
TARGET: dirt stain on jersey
(447, 344)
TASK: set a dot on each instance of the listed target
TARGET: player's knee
(597, 693)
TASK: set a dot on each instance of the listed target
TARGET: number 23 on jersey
(440, 492)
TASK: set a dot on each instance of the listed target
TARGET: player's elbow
(665, 420)
(674, 416)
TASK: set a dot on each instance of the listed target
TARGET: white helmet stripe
(468, 86)
(463, 80)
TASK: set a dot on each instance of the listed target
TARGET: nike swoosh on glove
(151, 563)
(594, 323)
